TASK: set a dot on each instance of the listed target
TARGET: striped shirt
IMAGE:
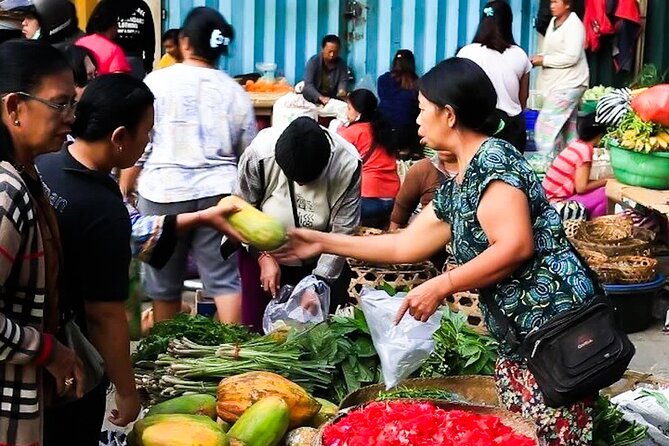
(560, 180)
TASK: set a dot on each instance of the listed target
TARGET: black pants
(78, 423)
(514, 131)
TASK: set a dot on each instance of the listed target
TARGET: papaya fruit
(327, 412)
(188, 405)
(237, 393)
(302, 436)
(263, 424)
(259, 229)
(181, 428)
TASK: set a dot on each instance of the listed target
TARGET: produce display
(401, 392)
(264, 423)
(640, 136)
(197, 404)
(396, 423)
(267, 86)
(177, 430)
(259, 229)
(596, 93)
(459, 350)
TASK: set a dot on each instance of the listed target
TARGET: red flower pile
(402, 423)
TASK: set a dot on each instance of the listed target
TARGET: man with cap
(304, 176)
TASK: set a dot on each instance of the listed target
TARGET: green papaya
(176, 430)
(188, 405)
(259, 229)
(263, 424)
(327, 412)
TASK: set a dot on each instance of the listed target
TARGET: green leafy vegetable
(199, 329)
(459, 350)
(611, 429)
(413, 393)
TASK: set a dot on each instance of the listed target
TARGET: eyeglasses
(64, 109)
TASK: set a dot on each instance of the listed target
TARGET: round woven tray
(607, 229)
(519, 424)
(477, 390)
(402, 276)
(466, 302)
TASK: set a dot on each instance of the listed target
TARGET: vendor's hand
(422, 301)
(270, 274)
(217, 218)
(127, 409)
(67, 370)
(537, 60)
(323, 100)
(301, 245)
(309, 302)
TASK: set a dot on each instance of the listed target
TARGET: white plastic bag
(649, 408)
(291, 106)
(402, 348)
(306, 303)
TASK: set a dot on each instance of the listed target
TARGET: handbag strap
(506, 325)
(291, 191)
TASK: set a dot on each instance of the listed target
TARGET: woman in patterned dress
(506, 238)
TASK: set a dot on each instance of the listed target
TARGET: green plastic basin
(649, 170)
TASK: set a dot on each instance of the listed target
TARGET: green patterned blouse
(552, 281)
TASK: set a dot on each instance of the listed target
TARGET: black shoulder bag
(576, 353)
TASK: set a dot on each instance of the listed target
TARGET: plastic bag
(291, 106)
(402, 348)
(648, 407)
(653, 104)
(306, 303)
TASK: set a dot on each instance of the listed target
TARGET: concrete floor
(652, 351)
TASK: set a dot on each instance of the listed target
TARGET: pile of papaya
(251, 409)
(265, 86)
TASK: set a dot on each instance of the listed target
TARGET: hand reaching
(422, 301)
(302, 245)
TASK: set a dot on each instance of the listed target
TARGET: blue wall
(288, 32)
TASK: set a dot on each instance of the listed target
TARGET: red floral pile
(401, 423)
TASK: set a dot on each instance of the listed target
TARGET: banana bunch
(635, 134)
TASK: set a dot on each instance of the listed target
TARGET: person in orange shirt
(372, 135)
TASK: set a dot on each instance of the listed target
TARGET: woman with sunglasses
(36, 91)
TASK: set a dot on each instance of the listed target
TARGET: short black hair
(75, 56)
(109, 102)
(208, 32)
(104, 17)
(171, 34)
(495, 30)
(331, 38)
(588, 128)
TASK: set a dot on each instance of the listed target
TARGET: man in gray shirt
(326, 74)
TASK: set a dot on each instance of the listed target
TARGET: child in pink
(568, 177)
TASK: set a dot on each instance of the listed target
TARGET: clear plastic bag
(402, 348)
(306, 303)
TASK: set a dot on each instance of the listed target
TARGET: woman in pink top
(372, 135)
(568, 177)
(101, 29)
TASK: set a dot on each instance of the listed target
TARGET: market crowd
(103, 158)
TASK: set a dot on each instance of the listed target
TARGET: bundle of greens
(199, 329)
(413, 393)
(459, 350)
(609, 427)
(345, 344)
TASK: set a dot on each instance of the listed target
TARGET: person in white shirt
(203, 122)
(563, 79)
(507, 66)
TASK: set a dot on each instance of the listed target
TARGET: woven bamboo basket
(398, 276)
(626, 270)
(607, 229)
(519, 424)
(466, 302)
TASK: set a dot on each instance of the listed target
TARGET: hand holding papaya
(302, 245)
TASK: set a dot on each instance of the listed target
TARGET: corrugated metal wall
(288, 32)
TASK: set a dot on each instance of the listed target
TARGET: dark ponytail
(463, 85)
(208, 32)
(23, 66)
(365, 103)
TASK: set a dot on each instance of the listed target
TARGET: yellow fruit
(263, 424)
(237, 393)
(664, 136)
(177, 430)
(259, 229)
